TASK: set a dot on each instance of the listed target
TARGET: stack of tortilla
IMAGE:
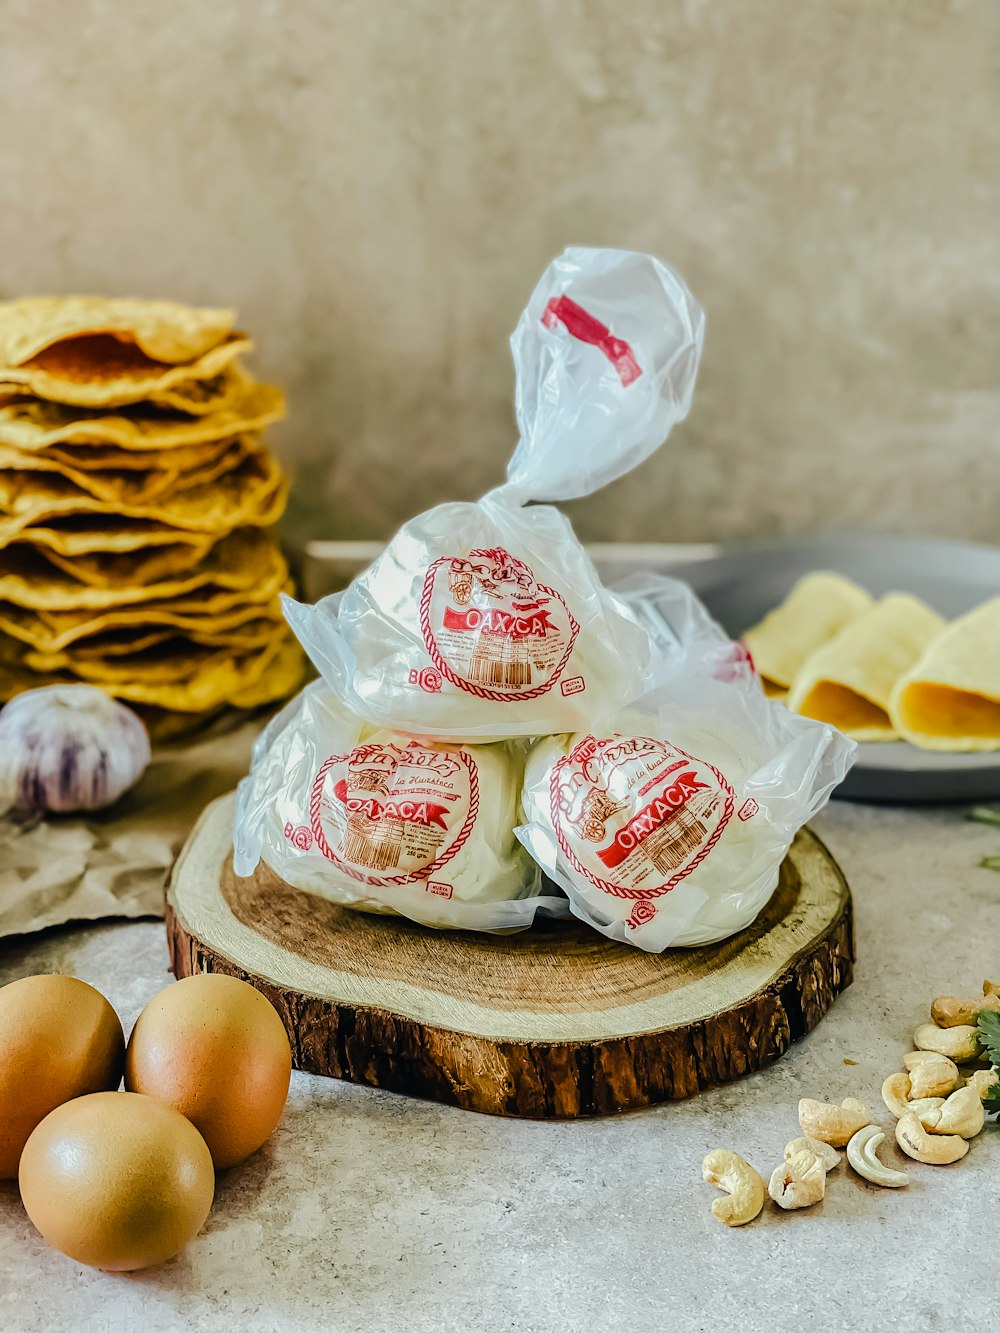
(885, 669)
(136, 501)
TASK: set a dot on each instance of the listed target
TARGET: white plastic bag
(669, 826)
(485, 621)
(383, 823)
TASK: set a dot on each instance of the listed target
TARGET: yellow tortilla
(818, 608)
(849, 680)
(100, 371)
(63, 631)
(71, 458)
(136, 639)
(199, 398)
(253, 493)
(215, 609)
(173, 660)
(284, 674)
(950, 699)
(239, 559)
(129, 487)
(162, 330)
(157, 564)
(102, 534)
(270, 672)
(177, 659)
(30, 424)
(281, 678)
(246, 561)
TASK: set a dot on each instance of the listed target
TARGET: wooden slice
(554, 1022)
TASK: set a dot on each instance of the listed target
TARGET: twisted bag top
(487, 621)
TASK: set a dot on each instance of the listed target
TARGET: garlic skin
(69, 747)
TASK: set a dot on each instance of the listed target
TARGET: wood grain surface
(553, 1022)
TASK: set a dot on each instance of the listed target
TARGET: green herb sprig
(989, 1035)
(986, 814)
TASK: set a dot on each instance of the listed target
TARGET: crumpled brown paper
(113, 863)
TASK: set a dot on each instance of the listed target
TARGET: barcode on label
(488, 671)
(378, 853)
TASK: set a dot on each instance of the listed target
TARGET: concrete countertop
(368, 1211)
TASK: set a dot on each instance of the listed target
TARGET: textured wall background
(377, 185)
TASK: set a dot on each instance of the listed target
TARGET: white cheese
(669, 826)
(382, 822)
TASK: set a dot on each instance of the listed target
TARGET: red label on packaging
(494, 621)
(492, 629)
(391, 815)
(636, 815)
(651, 817)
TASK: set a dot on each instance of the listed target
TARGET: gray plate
(742, 585)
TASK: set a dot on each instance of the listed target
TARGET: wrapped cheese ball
(487, 621)
(385, 823)
(668, 827)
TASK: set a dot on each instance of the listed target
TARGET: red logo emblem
(299, 836)
(642, 913)
(428, 679)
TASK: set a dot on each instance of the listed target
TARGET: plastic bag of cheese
(486, 621)
(668, 827)
(380, 822)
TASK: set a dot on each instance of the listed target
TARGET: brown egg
(59, 1038)
(214, 1048)
(117, 1181)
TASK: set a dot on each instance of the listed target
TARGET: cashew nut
(799, 1182)
(935, 1149)
(963, 1114)
(861, 1153)
(832, 1124)
(991, 987)
(931, 1075)
(926, 1109)
(948, 1011)
(959, 1043)
(744, 1186)
(827, 1155)
(896, 1094)
(982, 1080)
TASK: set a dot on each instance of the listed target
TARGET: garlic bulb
(69, 747)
